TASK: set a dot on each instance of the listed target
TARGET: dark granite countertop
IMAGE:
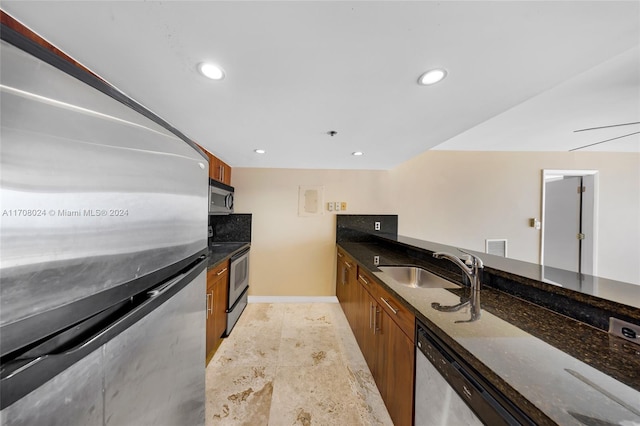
(219, 252)
(558, 370)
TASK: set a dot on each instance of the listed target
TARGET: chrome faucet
(473, 302)
(472, 267)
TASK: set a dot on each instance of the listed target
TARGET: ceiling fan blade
(606, 127)
(607, 140)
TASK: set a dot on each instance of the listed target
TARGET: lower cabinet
(347, 288)
(399, 356)
(217, 290)
(384, 330)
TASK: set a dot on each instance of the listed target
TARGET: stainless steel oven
(238, 287)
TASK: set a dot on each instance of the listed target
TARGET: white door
(569, 238)
(562, 223)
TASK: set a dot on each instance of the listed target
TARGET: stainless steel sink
(413, 276)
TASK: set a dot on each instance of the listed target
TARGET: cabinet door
(351, 294)
(213, 166)
(210, 324)
(225, 171)
(216, 318)
(398, 371)
(341, 279)
(219, 170)
(346, 291)
(360, 313)
(219, 301)
(370, 340)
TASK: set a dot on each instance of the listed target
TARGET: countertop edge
(223, 252)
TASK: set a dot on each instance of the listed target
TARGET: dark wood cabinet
(346, 288)
(384, 329)
(341, 278)
(217, 289)
(398, 371)
(218, 169)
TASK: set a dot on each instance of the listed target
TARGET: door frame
(549, 173)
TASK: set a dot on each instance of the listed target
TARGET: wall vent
(497, 246)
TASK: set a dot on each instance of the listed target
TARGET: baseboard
(293, 299)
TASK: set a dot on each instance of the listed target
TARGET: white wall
(461, 198)
(293, 255)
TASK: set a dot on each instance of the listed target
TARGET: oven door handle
(237, 300)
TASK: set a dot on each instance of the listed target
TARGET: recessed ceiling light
(432, 76)
(259, 151)
(211, 71)
(357, 153)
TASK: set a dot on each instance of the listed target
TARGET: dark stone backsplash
(361, 227)
(231, 228)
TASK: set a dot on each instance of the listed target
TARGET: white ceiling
(522, 75)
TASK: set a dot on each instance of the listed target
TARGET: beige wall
(457, 198)
(293, 255)
(461, 198)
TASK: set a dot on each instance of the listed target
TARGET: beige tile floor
(292, 364)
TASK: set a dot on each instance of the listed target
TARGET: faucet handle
(472, 260)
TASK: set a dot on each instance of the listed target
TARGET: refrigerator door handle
(163, 288)
(147, 304)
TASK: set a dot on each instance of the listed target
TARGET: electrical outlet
(343, 205)
(624, 329)
(377, 226)
(376, 260)
(337, 204)
(330, 207)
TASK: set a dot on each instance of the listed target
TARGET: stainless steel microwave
(220, 198)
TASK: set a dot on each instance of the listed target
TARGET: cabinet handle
(386, 302)
(221, 272)
(209, 307)
(340, 254)
(370, 316)
(348, 264)
(363, 279)
(375, 319)
(220, 172)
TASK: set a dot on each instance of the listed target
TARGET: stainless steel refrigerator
(103, 246)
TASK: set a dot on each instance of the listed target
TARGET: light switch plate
(337, 206)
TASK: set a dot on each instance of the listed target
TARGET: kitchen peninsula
(556, 367)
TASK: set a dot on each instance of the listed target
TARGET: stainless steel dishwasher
(447, 392)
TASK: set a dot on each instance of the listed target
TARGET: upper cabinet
(218, 169)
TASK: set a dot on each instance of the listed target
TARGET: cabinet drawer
(367, 282)
(398, 312)
(218, 271)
